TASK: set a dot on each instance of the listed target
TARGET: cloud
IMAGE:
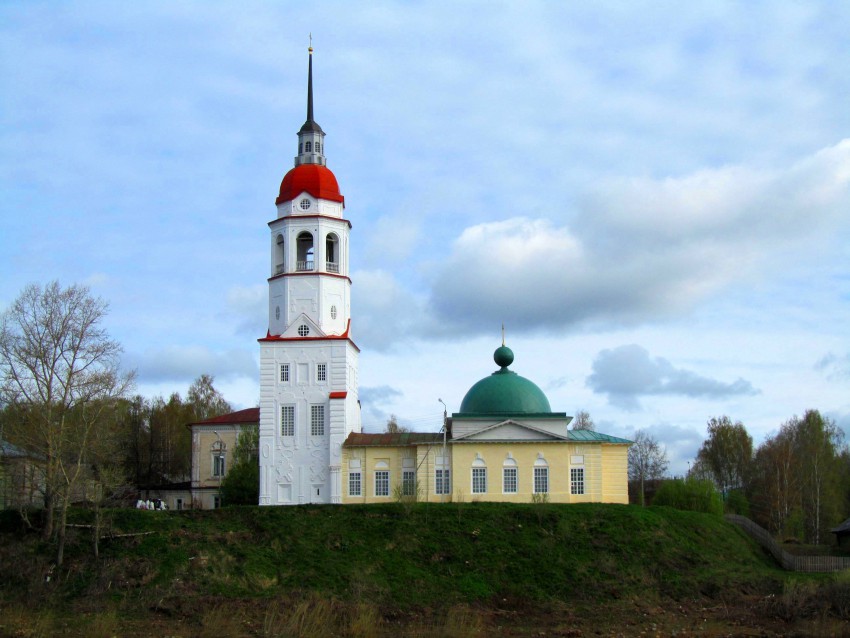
(641, 249)
(628, 372)
(249, 307)
(179, 363)
(835, 367)
(374, 401)
(680, 443)
(383, 312)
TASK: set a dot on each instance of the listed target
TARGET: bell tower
(308, 361)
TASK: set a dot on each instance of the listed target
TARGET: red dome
(313, 178)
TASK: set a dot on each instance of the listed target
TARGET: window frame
(382, 477)
(284, 373)
(481, 480)
(408, 482)
(512, 469)
(442, 481)
(351, 479)
(219, 464)
(317, 425)
(540, 479)
(321, 372)
(577, 480)
(288, 408)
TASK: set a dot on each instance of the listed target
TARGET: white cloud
(643, 249)
(179, 363)
(628, 372)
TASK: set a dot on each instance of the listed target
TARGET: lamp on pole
(218, 462)
(445, 419)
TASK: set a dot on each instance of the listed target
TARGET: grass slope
(404, 557)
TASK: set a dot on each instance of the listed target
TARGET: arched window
(308, 147)
(479, 475)
(279, 256)
(509, 475)
(305, 251)
(218, 450)
(541, 475)
(318, 147)
(332, 253)
(300, 148)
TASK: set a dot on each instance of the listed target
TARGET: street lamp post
(445, 460)
(219, 462)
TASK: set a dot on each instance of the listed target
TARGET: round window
(303, 330)
(305, 204)
(333, 312)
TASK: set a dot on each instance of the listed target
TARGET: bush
(241, 485)
(691, 494)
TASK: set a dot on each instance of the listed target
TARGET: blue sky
(653, 198)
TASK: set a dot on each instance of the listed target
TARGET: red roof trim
(249, 415)
(309, 274)
(338, 395)
(331, 217)
(270, 337)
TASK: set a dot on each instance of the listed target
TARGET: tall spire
(311, 137)
(310, 82)
(310, 124)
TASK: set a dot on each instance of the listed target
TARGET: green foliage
(241, 484)
(692, 495)
(736, 503)
(727, 453)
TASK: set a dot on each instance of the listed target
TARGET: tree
(582, 421)
(205, 401)
(393, 427)
(61, 368)
(241, 485)
(647, 461)
(727, 453)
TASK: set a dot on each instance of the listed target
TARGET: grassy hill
(453, 568)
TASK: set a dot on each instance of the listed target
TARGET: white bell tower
(308, 362)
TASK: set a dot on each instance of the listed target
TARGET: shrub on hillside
(691, 494)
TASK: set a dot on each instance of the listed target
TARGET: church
(505, 444)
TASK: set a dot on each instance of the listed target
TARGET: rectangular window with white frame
(317, 420)
(442, 482)
(479, 480)
(541, 480)
(354, 484)
(382, 482)
(577, 480)
(284, 373)
(408, 483)
(321, 372)
(218, 464)
(509, 482)
(287, 420)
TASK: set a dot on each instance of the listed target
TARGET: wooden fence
(789, 561)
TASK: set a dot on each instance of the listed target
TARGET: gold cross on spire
(311, 42)
(503, 334)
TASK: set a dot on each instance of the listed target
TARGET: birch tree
(60, 367)
(647, 461)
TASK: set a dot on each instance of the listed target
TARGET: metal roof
(385, 439)
(595, 437)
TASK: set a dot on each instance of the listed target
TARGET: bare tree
(647, 461)
(582, 421)
(393, 427)
(60, 367)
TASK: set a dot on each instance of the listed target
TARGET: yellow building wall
(615, 474)
(205, 441)
(605, 471)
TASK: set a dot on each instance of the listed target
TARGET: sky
(652, 197)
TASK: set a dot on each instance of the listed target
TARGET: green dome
(505, 392)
